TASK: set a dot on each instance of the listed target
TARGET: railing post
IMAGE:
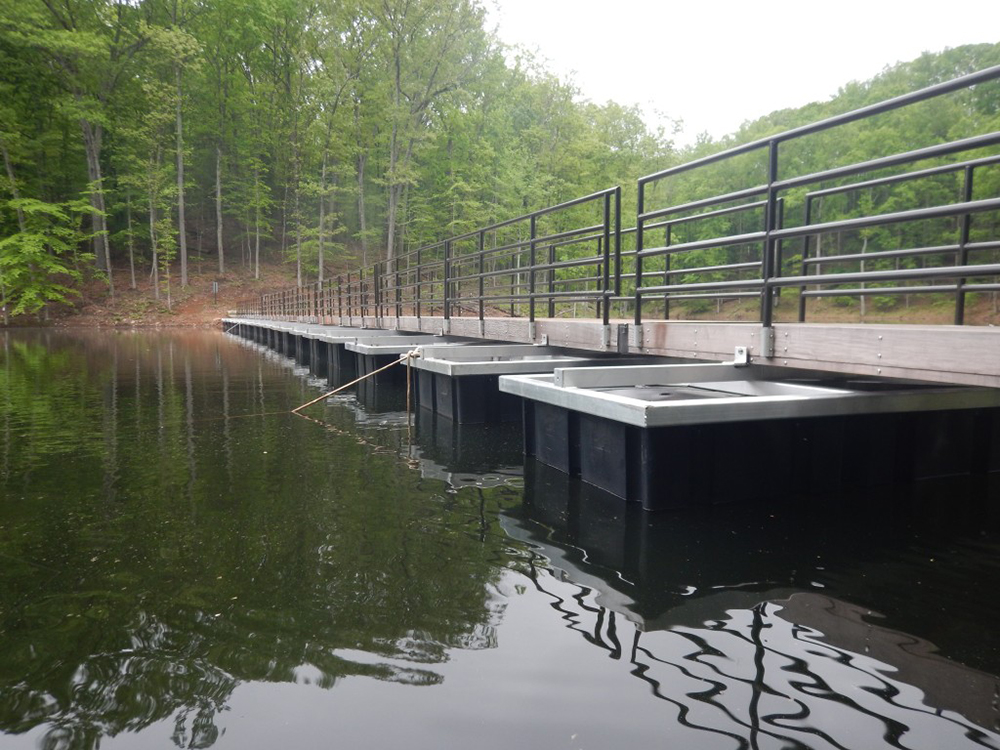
(640, 209)
(340, 299)
(447, 279)
(399, 291)
(420, 273)
(552, 281)
(779, 247)
(767, 264)
(482, 270)
(667, 239)
(531, 270)
(363, 289)
(604, 246)
(962, 257)
(806, 221)
(618, 241)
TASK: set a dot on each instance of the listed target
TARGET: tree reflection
(163, 541)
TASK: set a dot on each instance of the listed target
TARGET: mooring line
(405, 358)
(234, 325)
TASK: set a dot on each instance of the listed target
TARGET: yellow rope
(405, 358)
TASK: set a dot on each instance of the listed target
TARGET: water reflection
(170, 531)
(724, 623)
(171, 536)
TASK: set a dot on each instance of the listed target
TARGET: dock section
(671, 436)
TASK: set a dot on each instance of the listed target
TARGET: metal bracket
(637, 336)
(767, 342)
(606, 337)
(623, 338)
(482, 329)
(545, 340)
(741, 357)
(531, 330)
(445, 327)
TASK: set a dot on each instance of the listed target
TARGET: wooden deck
(945, 354)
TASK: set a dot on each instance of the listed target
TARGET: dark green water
(185, 564)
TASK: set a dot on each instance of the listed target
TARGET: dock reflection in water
(184, 563)
(726, 614)
(733, 615)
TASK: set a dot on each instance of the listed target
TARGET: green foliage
(399, 123)
(39, 263)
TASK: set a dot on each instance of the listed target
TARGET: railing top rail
(904, 157)
(905, 176)
(871, 110)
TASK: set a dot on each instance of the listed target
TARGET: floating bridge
(724, 262)
(756, 256)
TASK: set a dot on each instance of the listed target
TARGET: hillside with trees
(141, 136)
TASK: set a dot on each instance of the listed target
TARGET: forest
(137, 134)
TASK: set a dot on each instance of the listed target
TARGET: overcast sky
(712, 64)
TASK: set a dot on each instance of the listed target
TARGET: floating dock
(374, 353)
(462, 383)
(670, 436)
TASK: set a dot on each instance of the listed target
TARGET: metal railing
(900, 224)
(553, 260)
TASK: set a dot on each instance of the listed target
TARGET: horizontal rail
(947, 87)
(895, 160)
(733, 239)
(905, 177)
(897, 217)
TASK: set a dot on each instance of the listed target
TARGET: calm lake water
(183, 563)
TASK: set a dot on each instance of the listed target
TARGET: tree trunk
(284, 223)
(256, 245)
(298, 240)
(152, 244)
(362, 158)
(92, 135)
(256, 254)
(404, 229)
(390, 238)
(131, 240)
(322, 203)
(181, 226)
(218, 208)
